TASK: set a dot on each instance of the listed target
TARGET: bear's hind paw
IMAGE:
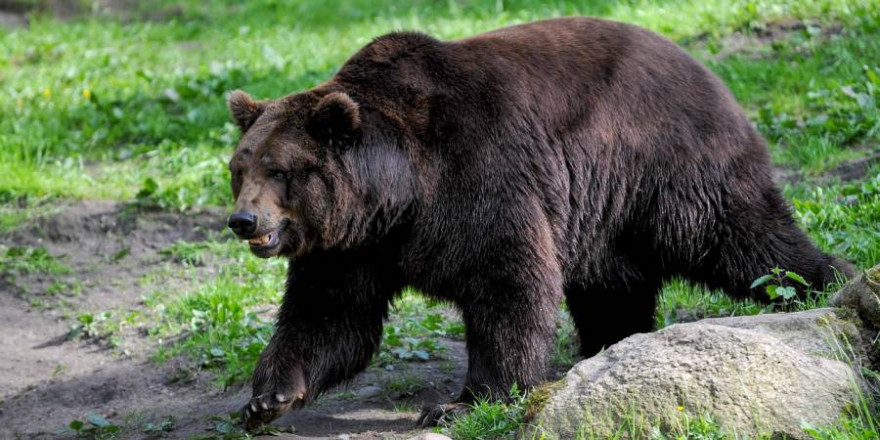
(264, 408)
(434, 415)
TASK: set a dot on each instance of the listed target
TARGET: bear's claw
(264, 408)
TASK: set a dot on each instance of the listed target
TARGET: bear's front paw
(273, 398)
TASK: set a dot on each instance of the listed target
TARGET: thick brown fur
(575, 159)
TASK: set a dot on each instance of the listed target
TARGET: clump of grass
(489, 419)
(401, 385)
(26, 260)
(849, 427)
(701, 427)
(92, 326)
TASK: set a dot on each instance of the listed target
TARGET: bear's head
(316, 170)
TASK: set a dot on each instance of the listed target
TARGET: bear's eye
(278, 175)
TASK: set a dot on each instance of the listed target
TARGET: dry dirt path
(48, 380)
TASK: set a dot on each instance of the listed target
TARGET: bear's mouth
(266, 244)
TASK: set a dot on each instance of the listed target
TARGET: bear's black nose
(243, 223)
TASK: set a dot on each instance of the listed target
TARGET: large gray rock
(766, 374)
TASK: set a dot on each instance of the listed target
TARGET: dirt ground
(48, 380)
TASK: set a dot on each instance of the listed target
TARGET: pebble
(369, 392)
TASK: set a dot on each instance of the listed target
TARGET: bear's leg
(755, 238)
(329, 326)
(605, 313)
(509, 329)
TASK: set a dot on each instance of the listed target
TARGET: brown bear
(571, 158)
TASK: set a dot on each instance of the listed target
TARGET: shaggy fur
(572, 158)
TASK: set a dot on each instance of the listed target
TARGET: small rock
(430, 436)
(369, 392)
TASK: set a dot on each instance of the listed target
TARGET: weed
(94, 428)
(228, 428)
(159, 429)
(777, 284)
(92, 326)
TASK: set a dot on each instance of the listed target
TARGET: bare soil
(48, 380)
(756, 41)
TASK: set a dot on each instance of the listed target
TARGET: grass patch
(122, 119)
(413, 333)
(682, 301)
(26, 260)
(197, 253)
(489, 420)
(848, 428)
(401, 385)
(842, 218)
(221, 324)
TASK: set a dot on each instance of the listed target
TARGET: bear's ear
(336, 118)
(244, 110)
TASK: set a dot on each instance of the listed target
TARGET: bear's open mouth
(268, 241)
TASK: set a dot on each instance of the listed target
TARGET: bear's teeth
(260, 240)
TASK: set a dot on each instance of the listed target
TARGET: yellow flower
(87, 94)
(47, 93)
(680, 409)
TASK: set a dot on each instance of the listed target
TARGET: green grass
(220, 323)
(489, 420)
(842, 218)
(818, 106)
(133, 109)
(198, 253)
(848, 428)
(103, 107)
(414, 331)
(682, 301)
(25, 260)
(686, 427)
